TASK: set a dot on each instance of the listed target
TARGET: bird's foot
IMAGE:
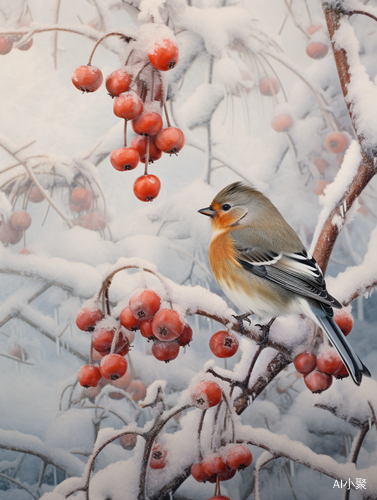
(265, 330)
(241, 318)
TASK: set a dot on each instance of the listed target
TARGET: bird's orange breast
(222, 257)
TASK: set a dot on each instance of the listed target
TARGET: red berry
(282, 123)
(121, 383)
(316, 50)
(147, 187)
(165, 351)
(127, 106)
(144, 304)
(186, 336)
(223, 344)
(167, 325)
(319, 186)
(206, 394)
(213, 464)
(19, 352)
(137, 389)
(102, 339)
(344, 320)
(219, 497)
(123, 351)
(118, 82)
(336, 142)
(158, 457)
(329, 362)
(81, 199)
(35, 196)
(342, 372)
(313, 28)
(128, 320)
(140, 143)
(317, 381)
(146, 330)
(89, 376)
(170, 140)
(113, 366)
(27, 45)
(128, 441)
(124, 158)
(227, 474)
(164, 54)
(238, 457)
(147, 123)
(87, 78)
(269, 86)
(94, 221)
(130, 334)
(87, 317)
(198, 473)
(10, 235)
(321, 164)
(20, 220)
(305, 362)
(6, 45)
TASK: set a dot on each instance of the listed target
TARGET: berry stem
(91, 353)
(125, 133)
(104, 294)
(147, 155)
(115, 340)
(132, 367)
(200, 428)
(127, 38)
(167, 115)
(217, 487)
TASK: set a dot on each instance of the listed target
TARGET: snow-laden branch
(283, 446)
(358, 280)
(26, 443)
(360, 95)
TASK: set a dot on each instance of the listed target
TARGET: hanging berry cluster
(110, 336)
(139, 92)
(320, 368)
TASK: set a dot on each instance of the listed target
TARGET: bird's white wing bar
(298, 273)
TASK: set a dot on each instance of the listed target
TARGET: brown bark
(366, 170)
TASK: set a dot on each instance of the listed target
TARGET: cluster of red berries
(6, 42)
(319, 370)
(11, 232)
(163, 326)
(81, 200)
(224, 464)
(139, 96)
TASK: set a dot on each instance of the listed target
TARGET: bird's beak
(207, 211)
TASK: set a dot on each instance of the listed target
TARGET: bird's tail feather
(354, 365)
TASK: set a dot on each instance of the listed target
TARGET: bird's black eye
(226, 207)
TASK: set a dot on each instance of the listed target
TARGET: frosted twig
(294, 20)
(35, 180)
(20, 485)
(263, 460)
(56, 35)
(122, 35)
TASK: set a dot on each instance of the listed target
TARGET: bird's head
(232, 204)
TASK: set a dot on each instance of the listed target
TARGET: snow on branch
(25, 443)
(358, 280)
(360, 95)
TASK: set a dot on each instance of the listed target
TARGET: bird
(264, 269)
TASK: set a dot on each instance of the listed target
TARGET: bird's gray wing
(297, 272)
